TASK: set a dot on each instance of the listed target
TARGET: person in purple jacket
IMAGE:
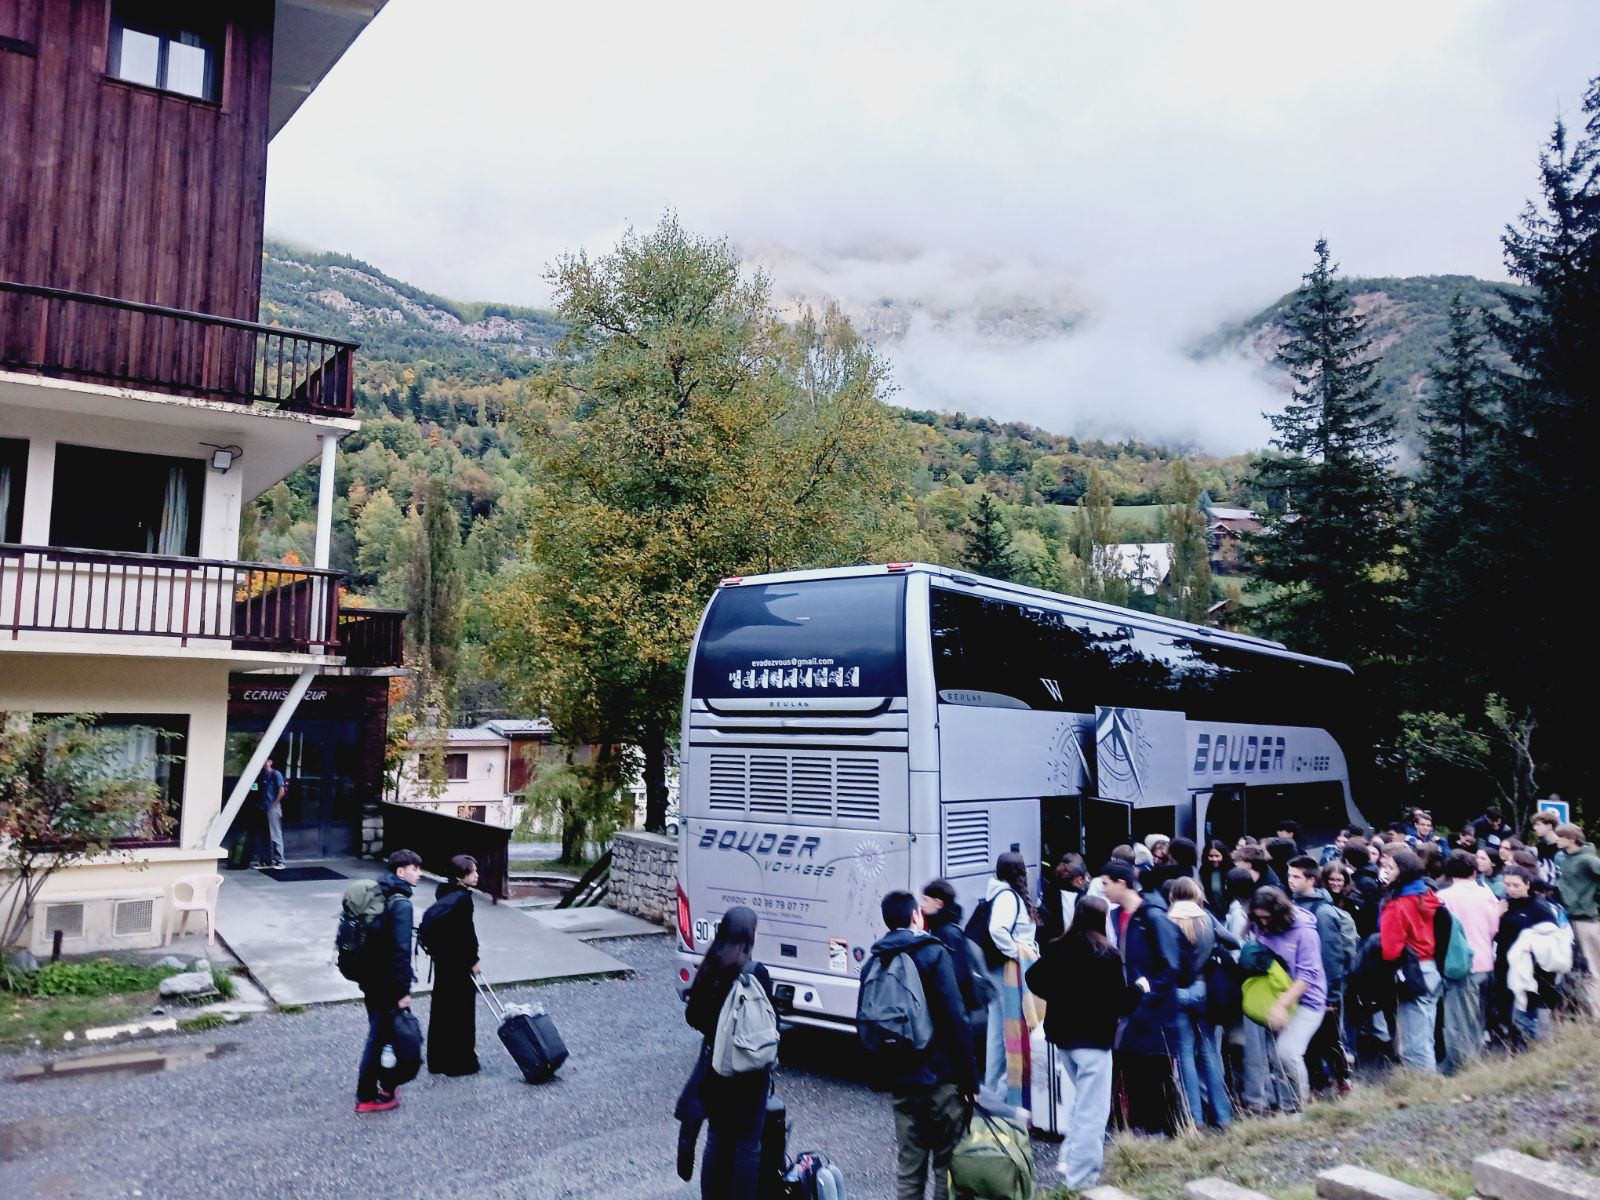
(1291, 934)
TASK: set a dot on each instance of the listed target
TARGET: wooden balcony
(47, 590)
(79, 336)
(372, 637)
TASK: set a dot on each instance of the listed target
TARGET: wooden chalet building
(143, 407)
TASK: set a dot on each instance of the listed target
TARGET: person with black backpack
(942, 913)
(385, 977)
(912, 1023)
(734, 1104)
(449, 936)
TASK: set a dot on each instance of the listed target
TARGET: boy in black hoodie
(386, 978)
(932, 1091)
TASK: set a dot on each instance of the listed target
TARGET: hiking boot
(383, 1103)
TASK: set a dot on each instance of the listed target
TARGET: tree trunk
(572, 839)
(653, 744)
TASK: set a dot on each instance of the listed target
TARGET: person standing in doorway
(448, 934)
(273, 787)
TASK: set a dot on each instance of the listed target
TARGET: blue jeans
(994, 1055)
(1463, 1020)
(1415, 1019)
(1195, 1033)
(380, 1032)
(1084, 1150)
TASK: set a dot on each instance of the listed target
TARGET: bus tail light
(898, 567)
(731, 581)
(684, 935)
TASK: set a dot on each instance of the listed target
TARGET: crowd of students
(1184, 988)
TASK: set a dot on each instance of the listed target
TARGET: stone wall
(644, 876)
(371, 830)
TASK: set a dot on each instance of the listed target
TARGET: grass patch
(202, 1022)
(1553, 1088)
(26, 1019)
(293, 1010)
(225, 985)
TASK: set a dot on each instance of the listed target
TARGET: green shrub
(101, 977)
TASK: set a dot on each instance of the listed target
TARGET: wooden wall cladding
(126, 191)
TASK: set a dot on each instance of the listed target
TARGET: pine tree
(1325, 559)
(1456, 520)
(988, 549)
(1543, 483)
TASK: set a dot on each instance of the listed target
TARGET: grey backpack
(747, 1029)
(892, 1016)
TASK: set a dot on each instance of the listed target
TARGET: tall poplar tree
(1324, 557)
(1189, 582)
(436, 589)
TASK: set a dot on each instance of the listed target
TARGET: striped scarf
(1019, 1061)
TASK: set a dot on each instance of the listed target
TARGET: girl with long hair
(1081, 979)
(1013, 926)
(734, 1105)
(1214, 876)
(1405, 924)
(1198, 1039)
(1290, 932)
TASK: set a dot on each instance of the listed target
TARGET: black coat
(946, 926)
(387, 954)
(1085, 993)
(452, 937)
(948, 1058)
(723, 1096)
(1150, 952)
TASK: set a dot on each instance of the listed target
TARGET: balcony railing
(76, 335)
(249, 606)
(372, 637)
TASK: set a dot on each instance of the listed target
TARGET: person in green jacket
(1578, 885)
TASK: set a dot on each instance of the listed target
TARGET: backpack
(747, 1029)
(1451, 951)
(892, 1017)
(360, 912)
(430, 925)
(992, 1161)
(812, 1177)
(1266, 978)
(1224, 999)
(977, 930)
(1341, 945)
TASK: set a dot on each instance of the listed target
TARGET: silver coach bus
(850, 731)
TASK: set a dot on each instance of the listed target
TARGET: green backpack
(1261, 992)
(1456, 963)
(992, 1161)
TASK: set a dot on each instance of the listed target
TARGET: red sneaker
(381, 1104)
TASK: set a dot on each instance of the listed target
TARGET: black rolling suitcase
(774, 1149)
(530, 1038)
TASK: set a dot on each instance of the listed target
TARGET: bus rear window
(821, 637)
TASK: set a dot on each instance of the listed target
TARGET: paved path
(272, 1116)
(283, 932)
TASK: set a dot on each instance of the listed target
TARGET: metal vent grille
(134, 918)
(67, 919)
(966, 840)
(800, 785)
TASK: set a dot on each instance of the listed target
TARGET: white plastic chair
(193, 893)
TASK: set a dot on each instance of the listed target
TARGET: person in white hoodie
(1012, 931)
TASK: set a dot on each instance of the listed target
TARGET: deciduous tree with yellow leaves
(687, 434)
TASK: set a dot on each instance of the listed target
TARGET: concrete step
(1357, 1183)
(1507, 1175)
(1106, 1192)
(1219, 1189)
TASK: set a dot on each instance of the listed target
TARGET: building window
(13, 475)
(151, 747)
(174, 46)
(135, 503)
(455, 766)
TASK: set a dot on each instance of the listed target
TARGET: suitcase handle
(487, 993)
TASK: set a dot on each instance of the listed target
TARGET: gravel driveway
(271, 1115)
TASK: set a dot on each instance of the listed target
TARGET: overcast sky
(1160, 167)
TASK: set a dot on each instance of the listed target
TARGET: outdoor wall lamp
(223, 457)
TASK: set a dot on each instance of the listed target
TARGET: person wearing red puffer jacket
(1405, 922)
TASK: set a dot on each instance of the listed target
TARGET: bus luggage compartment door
(816, 891)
